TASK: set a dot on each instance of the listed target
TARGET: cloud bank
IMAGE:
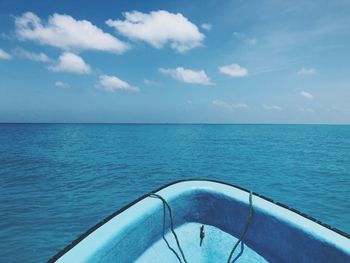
(67, 33)
(158, 28)
(69, 62)
(187, 75)
(113, 83)
(234, 70)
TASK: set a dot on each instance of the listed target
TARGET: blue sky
(175, 61)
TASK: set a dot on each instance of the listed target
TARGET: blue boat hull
(275, 233)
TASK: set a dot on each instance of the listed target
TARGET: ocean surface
(58, 180)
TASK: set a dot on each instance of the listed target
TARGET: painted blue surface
(56, 181)
(212, 249)
(275, 234)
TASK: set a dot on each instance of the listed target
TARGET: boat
(207, 221)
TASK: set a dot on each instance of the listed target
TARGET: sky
(179, 61)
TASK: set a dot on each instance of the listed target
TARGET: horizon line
(177, 123)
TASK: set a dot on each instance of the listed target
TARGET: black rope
(250, 216)
(166, 241)
(165, 203)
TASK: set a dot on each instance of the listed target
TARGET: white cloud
(226, 105)
(65, 32)
(306, 95)
(306, 71)
(159, 28)
(187, 75)
(113, 83)
(245, 38)
(273, 107)
(69, 62)
(21, 53)
(62, 85)
(4, 54)
(234, 70)
(206, 26)
(306, 110)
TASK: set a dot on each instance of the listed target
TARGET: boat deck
(276, 233)
(216, 247)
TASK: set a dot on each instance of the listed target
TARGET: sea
(58, 180)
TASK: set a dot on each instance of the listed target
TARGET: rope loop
(250, 216)
(165, 203)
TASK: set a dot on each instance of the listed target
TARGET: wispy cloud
(306, 95)
(61, 84)
(21, 53)
(158, 28)
(113, 83)
(283, 41)
(245, 38)
(284, 47)
(274, 67)
(152, 82)
(206, 26)
(187, 75)
(306, 71)
(6, 36)
(272, 107)
(338, 109)
(229, 106)
(234, 70)
(4, 54)
(69, 62)
(67, 33)
(310, 110)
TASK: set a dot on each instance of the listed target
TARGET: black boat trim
(108, 218)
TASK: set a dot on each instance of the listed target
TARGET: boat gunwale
(59, 254)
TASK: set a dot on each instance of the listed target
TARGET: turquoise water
(57, 180)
